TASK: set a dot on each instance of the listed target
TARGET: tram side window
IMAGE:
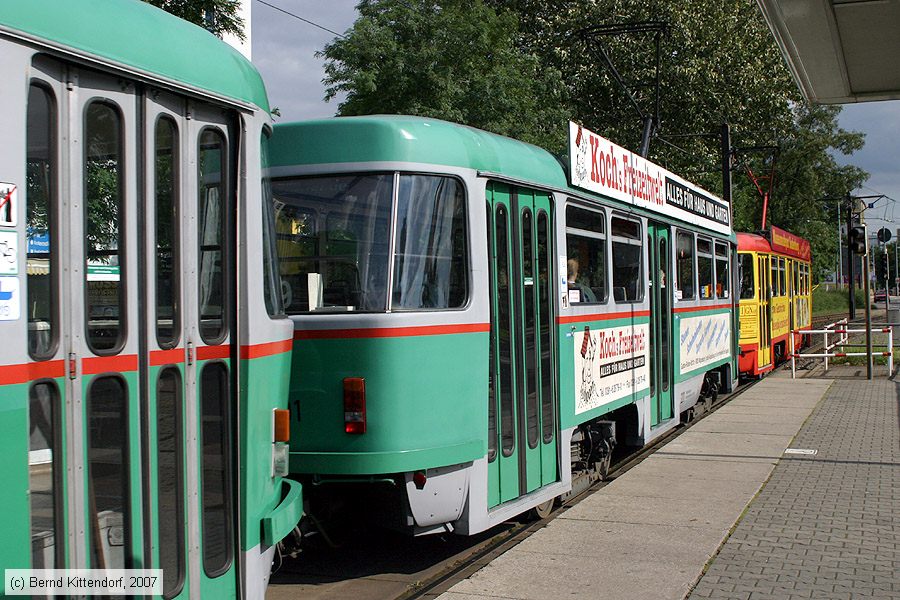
(108, 474)
(586, 252)
(776, 290)
(748, 289)
(168, 272)
(627, 274)
(212, 196)
(684, 263)
(782, 282)
(170, 482)
(215, 482)
(723, 274)
(47, 543)
(271, 280)
(104, 220)
(41, 165)
(705, 268)
(430, 248)
(332, 240)
(795, 277)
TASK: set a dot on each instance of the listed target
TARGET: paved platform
(723, 512)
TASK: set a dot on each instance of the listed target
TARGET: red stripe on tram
(267, 349)
(387, 332)
(104, 364)
(211, 352)
(602, 316)
(166, 357)
(699, 308)
(25, 372)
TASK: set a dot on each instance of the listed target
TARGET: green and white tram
(476, 327)
(145, 355)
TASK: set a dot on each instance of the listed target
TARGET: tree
(524, 67)
(450, 59)
(218, 16)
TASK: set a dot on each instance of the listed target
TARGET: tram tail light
(282, 425)
(354, 405)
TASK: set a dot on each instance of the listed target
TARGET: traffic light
(857, 239)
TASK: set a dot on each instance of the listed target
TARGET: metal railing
(841, 330)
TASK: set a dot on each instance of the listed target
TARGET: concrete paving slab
(705, 467)
(731, 445)
(648, 534)
(682, 512)
(744, 425)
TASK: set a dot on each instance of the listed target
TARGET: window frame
(122, 231)
(53, 197)
(58, 464)
(228, 484)
(711, 255)
(467, 243)
(603, 236)
(226, 310)
(176, 232)
(678, 260)
(639, 242)
(726, 258)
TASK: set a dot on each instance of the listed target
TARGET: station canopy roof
(839, 51)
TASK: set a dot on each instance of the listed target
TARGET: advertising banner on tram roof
(600, 166)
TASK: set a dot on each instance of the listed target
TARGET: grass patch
(859, 361)
(826, 302)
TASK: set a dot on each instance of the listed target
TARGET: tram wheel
(542, 511)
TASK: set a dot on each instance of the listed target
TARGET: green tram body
(472, 385)
(140, 366)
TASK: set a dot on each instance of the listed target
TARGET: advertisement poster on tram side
(781, 316)
(703, 340)
(610, 364)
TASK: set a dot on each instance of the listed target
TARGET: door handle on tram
(190, 353)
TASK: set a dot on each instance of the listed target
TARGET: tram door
(764, 355)
(188, 289)
(140, 223)
(660, 324)
(522, 417)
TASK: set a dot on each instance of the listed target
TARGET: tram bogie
(511, 326)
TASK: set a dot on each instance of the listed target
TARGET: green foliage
(218, 16)
(522, 68)
(450, 59)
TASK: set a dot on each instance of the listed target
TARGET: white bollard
(793, 357)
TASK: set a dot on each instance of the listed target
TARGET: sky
(284, 50)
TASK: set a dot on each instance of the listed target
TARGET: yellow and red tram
(775, 297)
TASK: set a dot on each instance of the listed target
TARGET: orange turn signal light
(282, 425)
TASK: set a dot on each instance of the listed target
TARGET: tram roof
(755, 242)
(137, 36)
(397, 138)
(412, 139)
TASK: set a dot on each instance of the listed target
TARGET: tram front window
(334, 242)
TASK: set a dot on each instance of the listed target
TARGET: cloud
(880, 121)
(284, 52)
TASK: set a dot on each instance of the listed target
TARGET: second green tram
(476, 325)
